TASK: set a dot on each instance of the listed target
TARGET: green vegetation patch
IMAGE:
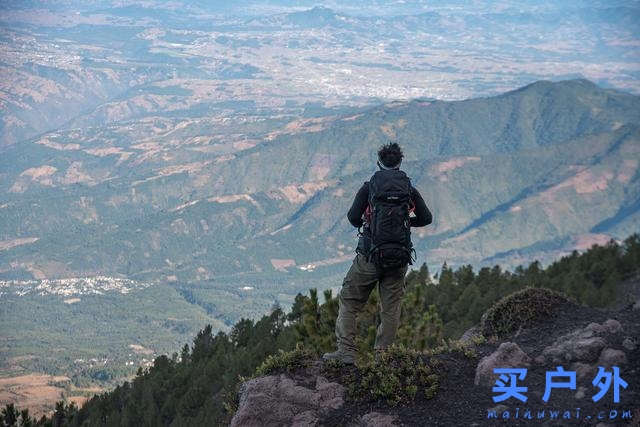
(395, 376)
(519, 309)
(457, 346)
(286, 361)
(199, 386)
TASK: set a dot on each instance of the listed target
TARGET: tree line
(198, 385)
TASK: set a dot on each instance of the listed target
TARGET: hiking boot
(345, 357)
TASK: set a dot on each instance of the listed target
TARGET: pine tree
(59, 415)
(192, 391)
(9, 415)
(25, 419)
(423, 274)
(184, 354)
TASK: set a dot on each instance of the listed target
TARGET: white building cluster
(72, 286)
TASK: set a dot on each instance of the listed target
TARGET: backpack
(389, 206)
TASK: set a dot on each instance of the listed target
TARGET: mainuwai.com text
(557, 414)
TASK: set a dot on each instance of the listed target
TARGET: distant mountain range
(167, 165)
(118, 242)
(88, 64)
(526, 175)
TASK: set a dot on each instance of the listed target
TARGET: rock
(636, 306)
(595, 327)
(629, 344)
(553, 354)
(588, 333)
(611, 357)
(613, 326)
(583, 345)
(470, 334)
(376, 419)
(574, 347)
(539, 360)
(587, 349)
(584, 371)
(508, 355)
(278, 400)
(331, 394)
(499, 409)
(305, 419)
(581, 392)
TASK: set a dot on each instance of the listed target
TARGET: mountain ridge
(445, 144)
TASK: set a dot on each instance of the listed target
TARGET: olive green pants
(360, 280)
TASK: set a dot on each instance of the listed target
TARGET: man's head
(390, 156)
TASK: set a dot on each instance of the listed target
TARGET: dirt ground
(460, 403)
(39, 392)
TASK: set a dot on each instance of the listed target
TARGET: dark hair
(390, 155)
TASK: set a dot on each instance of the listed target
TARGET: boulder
(586, 349)
(376, 419)
(582, 345)
(581, 392)
(331, 394)
(508, 355)
(629, 344)
(611, 357)
(574, 349)
(584, 371)
(278, 400)
(612, 326)
(595, 327)
(305, 419)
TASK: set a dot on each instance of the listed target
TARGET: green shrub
(519, 309)
(285, 361)
(450, 346)
(395, 376)
(333, 367)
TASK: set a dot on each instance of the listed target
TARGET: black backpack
(389, 204)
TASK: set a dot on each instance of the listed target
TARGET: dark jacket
(423, 215)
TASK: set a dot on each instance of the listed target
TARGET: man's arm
(359, 205)
(423, 214)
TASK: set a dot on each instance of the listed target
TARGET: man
(364, 273)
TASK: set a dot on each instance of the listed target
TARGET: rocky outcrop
(586, 346)
(508, 355)
(583, 349)
(376, 419)
(276, 400)
(315, 394)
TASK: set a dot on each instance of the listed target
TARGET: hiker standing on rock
(382, 207)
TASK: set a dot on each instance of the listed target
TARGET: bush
(519, 309)
(285, 361)
(395, 376)
(466, 349)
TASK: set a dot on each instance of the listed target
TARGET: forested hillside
(565, 156)
(212, 236)
(198, 385)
